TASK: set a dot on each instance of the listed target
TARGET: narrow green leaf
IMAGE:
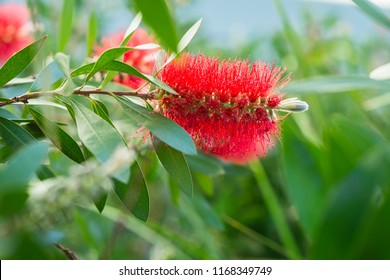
(91, 34)
(19, 61)
(100, 109)
(205, 165)
(292, 37)
(105, 58)
(100, 201)
(126, 68)
(334, 84)
(57, 136)
(349, 205)
(134, 195)
(187, 37)
(20, 81)
(175, 164)
(66, 24)
(7, 114)
(84, 69)
(374, 12)
(63, 61)
(45, 172)
(304, 185)
(183, 43)
(156, 14)
(98, 136)
(15, 175)
(14, 135)
(48, 77)
(129, 32)
(163, 128)
(206, 211)
(132, 27)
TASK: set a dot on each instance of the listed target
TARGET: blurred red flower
(14, 30)
(142, 60)
(224, 105)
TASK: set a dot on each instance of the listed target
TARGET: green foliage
(19, 61)
(99, 137)
(66, 24)
(175, 164)
(57, 135)
(374, 12)
(161, 22)
(162, 127)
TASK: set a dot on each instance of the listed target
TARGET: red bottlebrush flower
(224, 105)
(142, 60)
(14, 30)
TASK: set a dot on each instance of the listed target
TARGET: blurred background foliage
(328, 176)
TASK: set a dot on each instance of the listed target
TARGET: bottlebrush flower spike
(14, 30)
(228, 106)
(142, 60)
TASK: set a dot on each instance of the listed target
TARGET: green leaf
(349, 205)
(134, 195)
(302, 174)
(207, 212)
(84, 69)
(15, 175)
(334, 84)
(163, 128)
(20, 81)
(132, 27)
(57, 136)
(19, 61)
(126, 68)
(105, 58)
(100, 109)
(48, 77)
(100, 200)
(129, 32)
(107, 61)
(156, 14)
(7, 114)
(92, 30)
(98, 136)
(45, 172)
(205, 165)
(175, 164)
(14, 135)
(377, 229)
(374, 12)
(186, 39)
(183, 43)
(66, 24)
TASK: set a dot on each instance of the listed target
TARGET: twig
(66, 251)
(148, 95)
(25, 97)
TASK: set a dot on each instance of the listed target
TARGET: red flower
(224, 105)
(14, 27)
(142, 60)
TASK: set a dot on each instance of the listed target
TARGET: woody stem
(25, 97)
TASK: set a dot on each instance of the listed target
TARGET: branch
(25, 97)
(66, 251)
